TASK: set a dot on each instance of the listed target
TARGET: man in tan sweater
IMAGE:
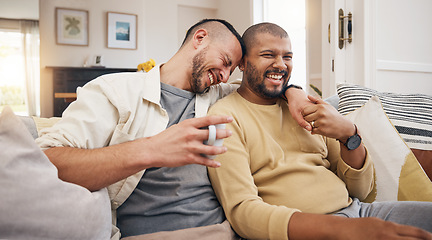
(280, 181)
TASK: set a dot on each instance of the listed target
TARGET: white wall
(404, 51)
(160, 25)
(167, 34)
(53, 54)
(240, 14)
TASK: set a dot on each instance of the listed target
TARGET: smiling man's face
(214, 64)
(267, 66)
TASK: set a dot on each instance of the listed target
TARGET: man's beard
(257, 82)
(198, 72)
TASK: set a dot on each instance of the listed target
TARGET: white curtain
(30, 31)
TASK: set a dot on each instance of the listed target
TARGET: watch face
(353, 142)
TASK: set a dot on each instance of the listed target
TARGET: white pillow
(34, 202)
(398, 175)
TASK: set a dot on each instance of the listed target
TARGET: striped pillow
(411, 114)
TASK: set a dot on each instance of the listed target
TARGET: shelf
(68, 97)
(66, 80)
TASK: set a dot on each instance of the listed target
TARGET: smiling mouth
(210, 76)
(275, 77)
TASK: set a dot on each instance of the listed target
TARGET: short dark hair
(249, 36)
(228, 25)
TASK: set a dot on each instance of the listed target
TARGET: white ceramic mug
(212, 141)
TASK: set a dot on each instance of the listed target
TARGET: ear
(200, 37)
(242, 64)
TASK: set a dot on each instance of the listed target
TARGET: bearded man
(280, 181)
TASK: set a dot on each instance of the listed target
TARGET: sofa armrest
(35, 124)
(30, 124)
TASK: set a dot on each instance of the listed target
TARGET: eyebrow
(229, 60)
(268, 50)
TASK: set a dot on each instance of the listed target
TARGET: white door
(391, 48)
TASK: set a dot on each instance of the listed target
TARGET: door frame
(356, 62)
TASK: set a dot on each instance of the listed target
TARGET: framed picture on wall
(122, 30)
(72, 27)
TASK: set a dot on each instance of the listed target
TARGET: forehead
(231, 48)
(267, 41)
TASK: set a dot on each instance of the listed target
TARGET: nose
(224, 74)
(279, 63)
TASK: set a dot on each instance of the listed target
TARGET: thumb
(298, 117)
(315, 99)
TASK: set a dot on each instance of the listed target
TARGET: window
(291, 16)
(19, 66)
(12, 84)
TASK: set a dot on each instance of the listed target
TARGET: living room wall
(161, 27)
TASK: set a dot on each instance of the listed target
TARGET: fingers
(208, 159)
(183, 143)
(197, 128)
(208, 153)
(302, 122)
(312, 108)
(310, 115)
(202, 122)
(201, 160)
(223, 133)
(413, 232)
(316, 114)
(204, 134)
(205, 141)
(298, 116)
(216, 144)
(315, 100)
(211, 163)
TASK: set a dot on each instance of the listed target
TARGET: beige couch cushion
(35, 203)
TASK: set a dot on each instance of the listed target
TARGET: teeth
(277, 77)
(211, 78)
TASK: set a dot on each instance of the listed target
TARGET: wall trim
(210, 4)
(385, 65)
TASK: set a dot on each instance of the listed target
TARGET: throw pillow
(398, 175)
(35, 203)
(411, 114)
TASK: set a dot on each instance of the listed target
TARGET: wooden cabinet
(67, 79)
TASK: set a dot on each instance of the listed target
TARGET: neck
(177, 72)
(248, 94)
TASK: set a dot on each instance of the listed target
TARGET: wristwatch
(354, 141)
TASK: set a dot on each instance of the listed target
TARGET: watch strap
(294, 86)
